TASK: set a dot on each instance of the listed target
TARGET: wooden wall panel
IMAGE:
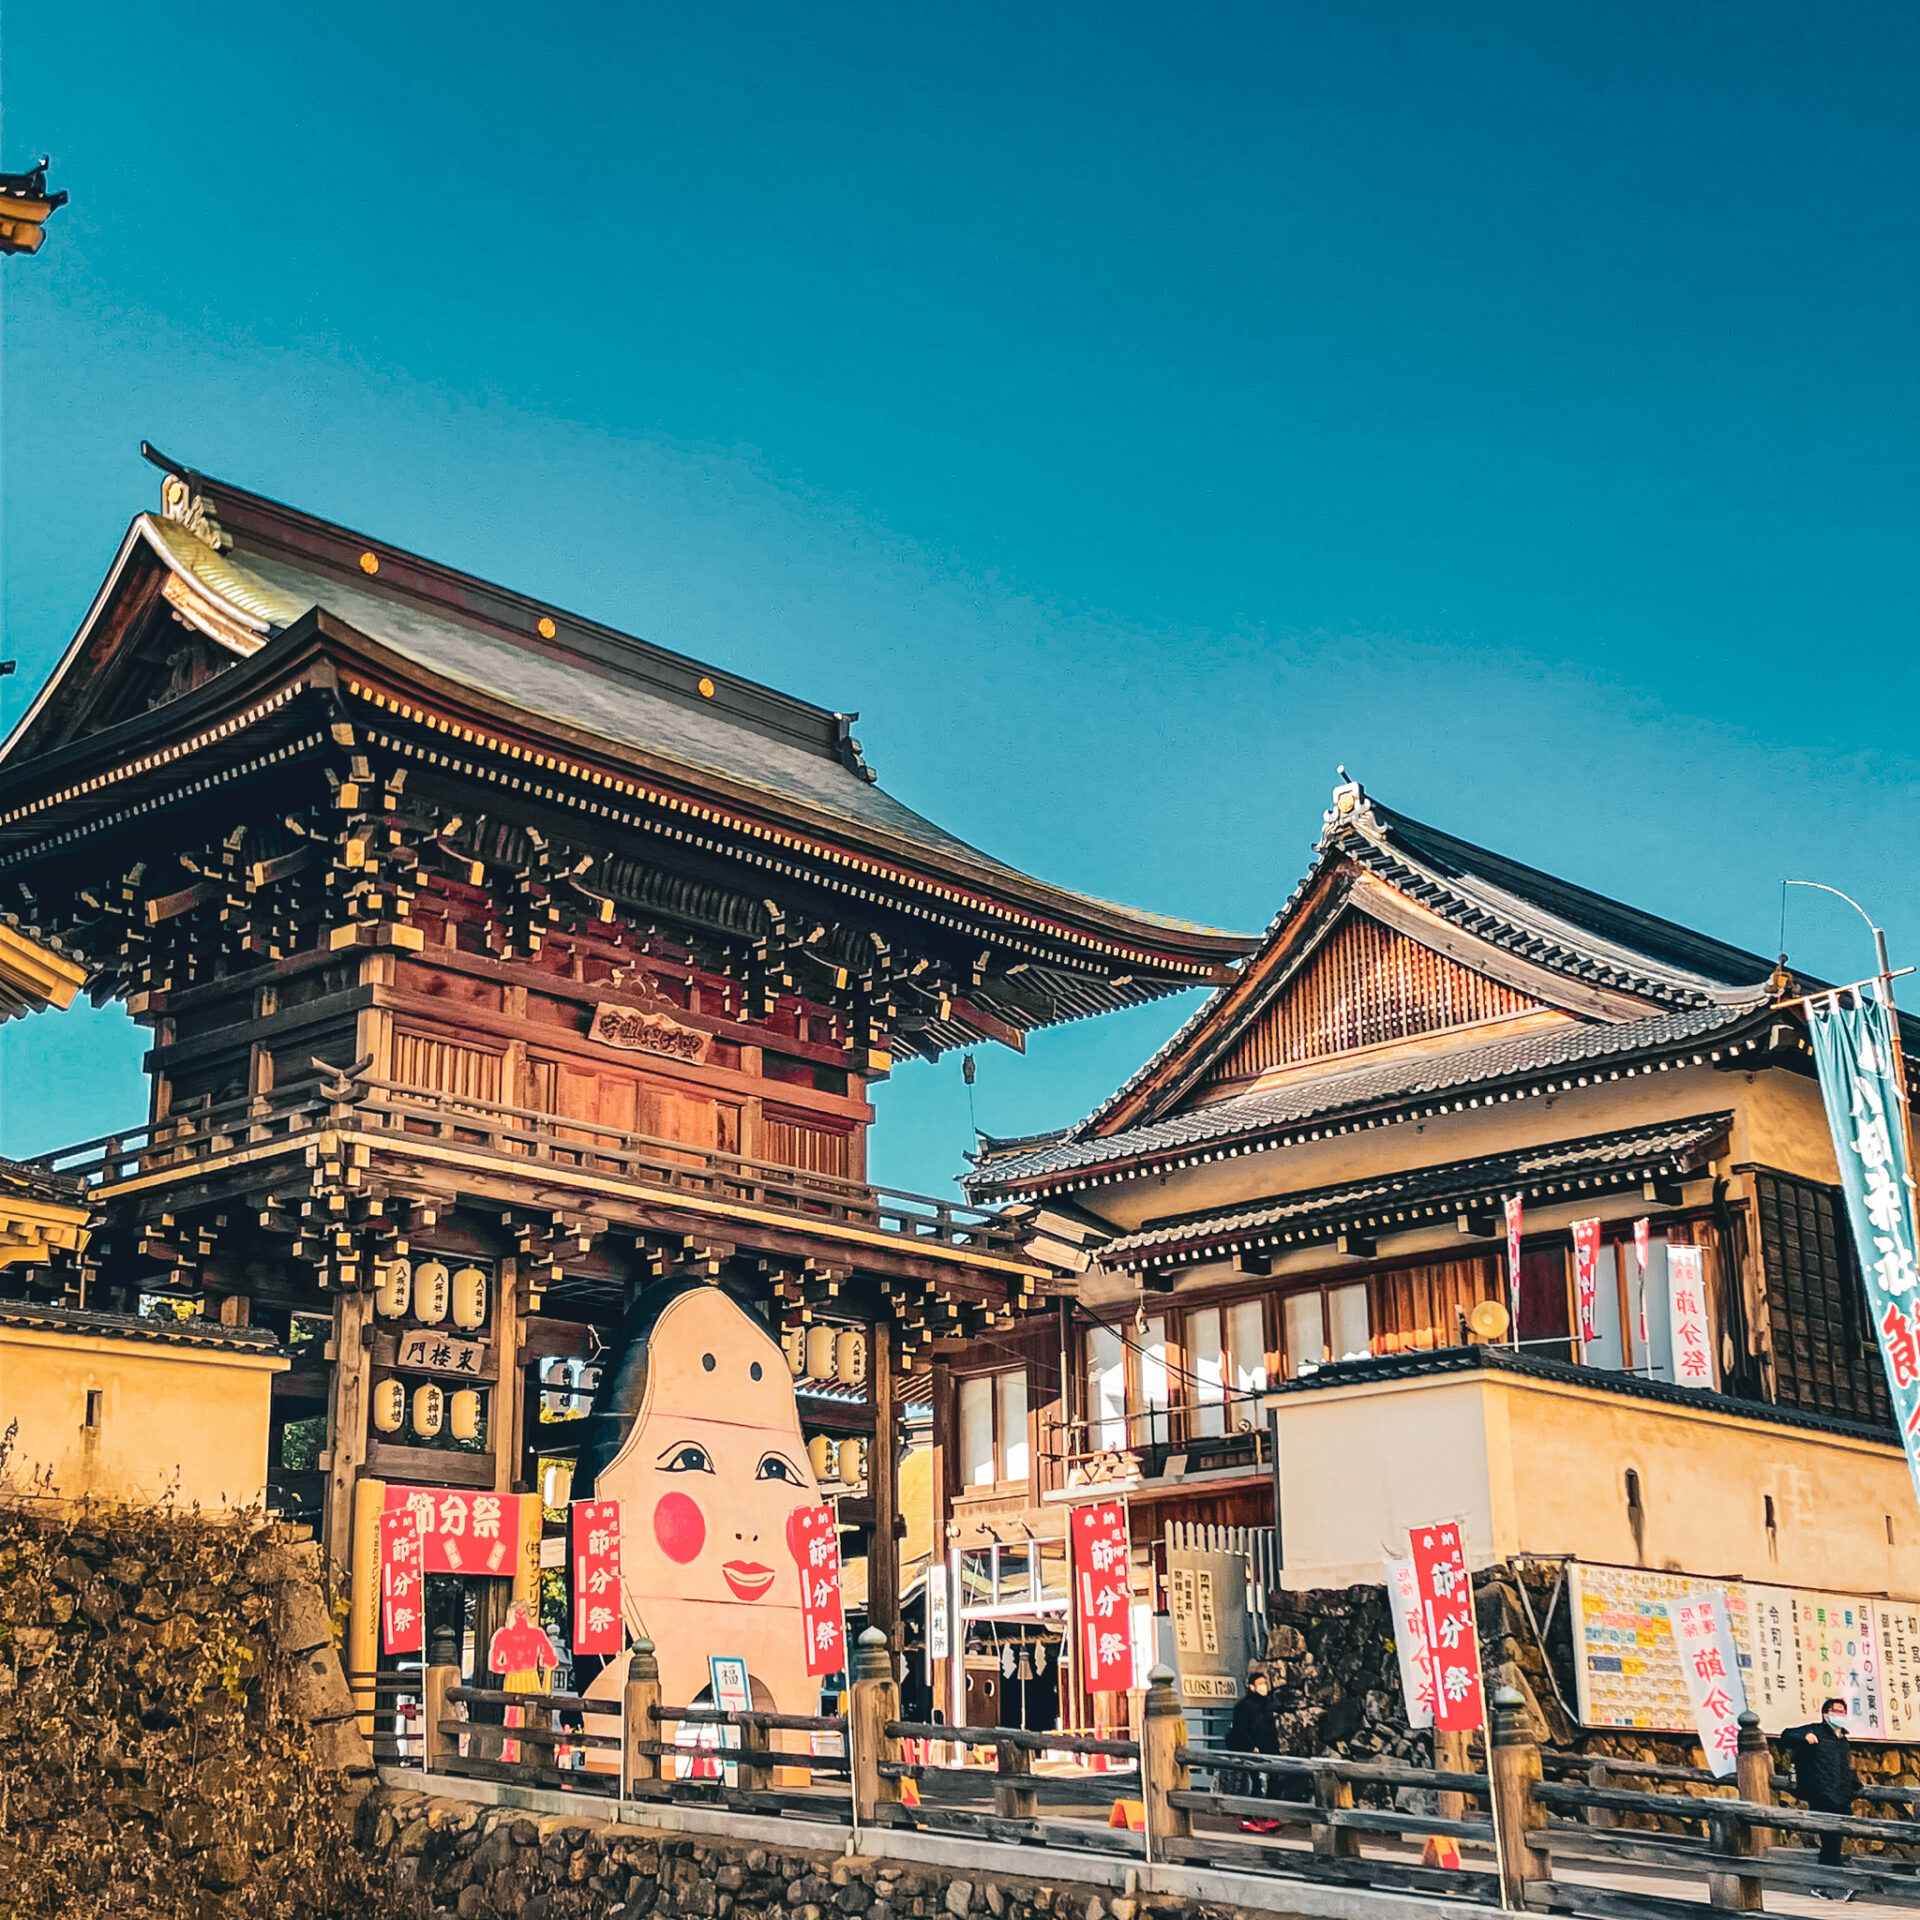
(442, 1066)
(788, 1142)
(1417, 1308)
(1368, 984)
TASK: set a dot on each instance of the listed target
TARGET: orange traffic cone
(1130, 1814)
(1441, 1850)
(909, 1793)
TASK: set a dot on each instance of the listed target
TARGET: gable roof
(1616, 984)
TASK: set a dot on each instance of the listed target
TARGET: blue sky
(1132, 411)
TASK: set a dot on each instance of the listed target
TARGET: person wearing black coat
(1255, 1728)
(1823, 1775)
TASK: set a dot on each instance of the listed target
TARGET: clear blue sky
(1133, 411)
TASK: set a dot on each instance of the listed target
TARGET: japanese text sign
(1103, 1591)
(1410, 1641)
(1853, 1054)
(1446, 1604)
(1703, 1635)
(1642, 1245)
(1687, 1318)
(462, 1532)
(597, 1623)
(1513, 1266)
(813, 1537)
(1586, 1269)
(440, 1353)
(403, 1613)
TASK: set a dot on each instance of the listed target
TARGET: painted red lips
(748, 1578)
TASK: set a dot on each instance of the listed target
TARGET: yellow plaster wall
(1539, 1467)
(180, 1424)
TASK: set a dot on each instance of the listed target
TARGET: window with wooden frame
(1187, 1374)
(1321, 1323)
(1225, 1365)
(806, 1142)
(991, 1411)
(1419, 1307)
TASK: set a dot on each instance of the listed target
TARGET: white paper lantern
(850, 1357)
(429, 1410)
(470, 1298)
(394, 1292)
(463, 1415)
(432, 1289)
(852, 1462)
(821, 1341)
(820, 1455)
(389, 1406)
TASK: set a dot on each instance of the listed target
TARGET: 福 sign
(1102, 1591)
(1446, 1606)
(598, 1625)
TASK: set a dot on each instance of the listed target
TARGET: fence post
(1734, 1833)
(1013, 1799)
(873, 1704)
(1598, 1774)
(1163, 1732)
(1513, 1760)
(637, 1725)
(1330, 1794)
(443, 1675)
(1452, 1753)
(755, 1774)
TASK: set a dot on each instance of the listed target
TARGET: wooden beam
(347, 1420)
(883, 1483)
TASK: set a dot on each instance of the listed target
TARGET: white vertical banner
(1687, 1323)
(1703, 1634)
(1410, 1640)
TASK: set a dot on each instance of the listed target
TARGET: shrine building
(500, 968)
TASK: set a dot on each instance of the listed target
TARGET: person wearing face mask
(1823, 1775)
(1256, 1729)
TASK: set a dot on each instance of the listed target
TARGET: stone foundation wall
(474, 1862)
(176, 1739)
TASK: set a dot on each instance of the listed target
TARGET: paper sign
(464, 1532)
(1102, 1591)
(813, 1538)
(1410, 1641)
(1897, 1630)
(1513, 1271)
(403, 1613)
(1687, 1318)
(1703, 1633)
(1841, 1655)
(1642, 1241)
(598, 1623)
(1446, 1607)
(1586, 1268)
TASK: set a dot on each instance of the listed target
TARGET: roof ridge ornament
(1350, 807)
(190, 512)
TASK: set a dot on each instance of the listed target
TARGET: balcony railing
(203, 1131)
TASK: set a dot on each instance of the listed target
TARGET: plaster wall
(180, 1425)
(1539, 1467)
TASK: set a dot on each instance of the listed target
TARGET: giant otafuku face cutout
(696, 1433)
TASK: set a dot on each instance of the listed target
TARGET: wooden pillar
(507, 1408)
(1740, 1892)
(1452, 1754)
(1600, 1774)
(1013, 1794)
(1163, 1732)
(1513, 1760)
(363, 1599)
(347, 1419)
(443, 1675)
(637, 1724)
(883, 1483)
(873, 1703)
(1331, 1794)
(755, 1762)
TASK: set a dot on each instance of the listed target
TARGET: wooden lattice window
(1417, 1308)
(809, 1147)
(1368, 984)
(441, 1066)
(1824, 1357)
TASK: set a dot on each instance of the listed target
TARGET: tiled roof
(1420, 1196)
(126, 1326)
(1255, 1118)
(1496, 1359)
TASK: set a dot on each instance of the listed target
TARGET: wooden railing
(204, 1130)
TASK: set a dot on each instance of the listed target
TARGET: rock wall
(176, 1738)
(490, 1863)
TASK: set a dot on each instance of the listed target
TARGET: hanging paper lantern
(820, 1455)
(556, 1483)
(793, 1343)
(850, 1357)
(820, 1345)
(431, 1290)
(463, 1415)
(470, 1298)
(394, 1291)
(389, 1406)
(429, 1410)
(852, 1462)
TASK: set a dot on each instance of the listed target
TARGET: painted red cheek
(679, 1526)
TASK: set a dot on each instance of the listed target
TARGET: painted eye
(773, 1467)
(687, 1459)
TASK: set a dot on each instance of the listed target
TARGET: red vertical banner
(1586, 1271)
(1104, 1596)
(813, 1538)
(1453, 1643)
(403, 1612)
(1513, 1266)
(597, 1623)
